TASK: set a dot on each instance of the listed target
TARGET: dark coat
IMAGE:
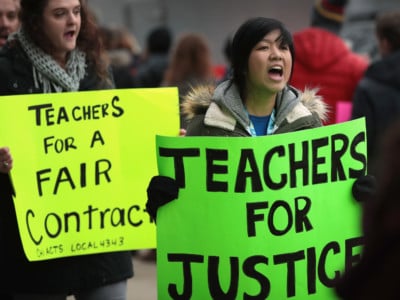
(375, 276)
(377, 98)
(16, 74)
(62, 275)
(150, 73)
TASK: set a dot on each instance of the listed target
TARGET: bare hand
(182, 132)
(6, 161)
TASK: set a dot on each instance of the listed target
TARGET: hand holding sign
(5, 160)
(160, 191)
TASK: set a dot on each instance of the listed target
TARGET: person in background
(377, 97)
(324, 61)
(123, 51)
(9, 19)
(190, 66)
(57, 49)
(155, 59)
(375, 276)
(359, 25)
(256, 101)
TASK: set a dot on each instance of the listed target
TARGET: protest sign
(260, 218)
(82, 162)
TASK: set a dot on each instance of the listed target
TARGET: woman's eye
(59, 13)
(12, 16)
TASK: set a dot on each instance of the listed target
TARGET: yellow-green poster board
(260, 218)
(82, 162)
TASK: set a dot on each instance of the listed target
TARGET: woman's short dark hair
(388, 27)
(159, 40)
(244, 40)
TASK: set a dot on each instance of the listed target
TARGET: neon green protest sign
(82, 162)
(260, 218)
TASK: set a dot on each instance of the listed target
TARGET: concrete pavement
(143, 286)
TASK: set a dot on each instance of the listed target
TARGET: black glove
(364, 188)
(160, 191)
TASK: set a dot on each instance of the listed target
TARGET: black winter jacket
(65, 275)
(377, 98)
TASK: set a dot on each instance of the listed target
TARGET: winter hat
(328, 14)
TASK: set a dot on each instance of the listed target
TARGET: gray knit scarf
(47, 73)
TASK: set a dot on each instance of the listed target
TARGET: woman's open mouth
(276, 73)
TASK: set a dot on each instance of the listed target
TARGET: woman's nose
(72, 17)
(276, 54)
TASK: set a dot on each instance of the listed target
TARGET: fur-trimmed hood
(200, 98)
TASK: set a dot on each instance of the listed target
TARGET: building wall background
(215, 19)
